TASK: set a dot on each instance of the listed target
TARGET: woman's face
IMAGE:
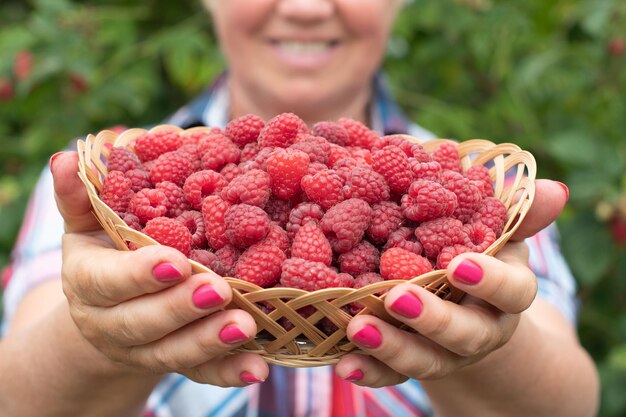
(295, 51)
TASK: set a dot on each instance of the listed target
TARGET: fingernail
(52, 158)
(468, 272)
(249, 378)
(166, 272)
(368, 336)
(565, 188)
(407, 305)
(232, 334)
(206, 297)
(355, 375)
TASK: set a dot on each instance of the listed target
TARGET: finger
(70, 194)
(236, 370)
(367, 371)
(504, 281)
(468, 330)
(102, 276)
(199, 342)
(550, 199)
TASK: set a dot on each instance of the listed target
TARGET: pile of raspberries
(278, 204)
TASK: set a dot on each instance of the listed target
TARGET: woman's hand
(144, 309)
(451, 336)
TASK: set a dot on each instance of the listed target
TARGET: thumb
(71, 195)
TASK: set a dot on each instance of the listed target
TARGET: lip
(308, 58)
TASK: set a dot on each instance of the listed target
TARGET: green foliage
(550, 76)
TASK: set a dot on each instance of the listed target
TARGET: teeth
(304, 47)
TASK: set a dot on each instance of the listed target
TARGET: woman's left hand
(451, 336)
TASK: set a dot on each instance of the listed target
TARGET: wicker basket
(513, 172)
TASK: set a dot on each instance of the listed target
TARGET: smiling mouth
(304, 47)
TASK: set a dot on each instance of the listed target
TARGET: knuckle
(440, 325)
(432, 369)
(480, 342)
(163, 361)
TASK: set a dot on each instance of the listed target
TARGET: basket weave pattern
(512, 170)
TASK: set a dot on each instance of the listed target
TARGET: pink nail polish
(565, 188)
(52, 158)
(368, 336)
(206, 297)
(232, 334)
(407, 305)
(468, 272)
(355, 375)
(249, 378)
(166, 272)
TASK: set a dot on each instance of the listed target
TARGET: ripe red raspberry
(324, 188)
(359, 134)
(362, 156)
(447, 155)
(249, 152)
(345, 224)
(427, 200)
(244, 129)
(231, 171)
(468, 195)
(217, 150)
(203, 257)
(481, 174)
(122, 159)
(425, 170)
(478, 237)
(448, 253)
(171, 166)
(393, 164)
(261, 264)
(311, 244)
(246, 225)
(404, 237)
(213, 211)
(386, 218)
(302, 214)
(336, 153)
(252, 188)
(312, 276)
(332, 132)
(282, 130)
(193, 156)
(278, 210)
(176, 202)
(148, 204)
(116, 191)
(192, 219)
(367, 185)
(169, 232)
(201, 184)
(139, 178)
(278, 236)
(286, 168)
(492, 213)
(397, 263)
(411, 149)
(316, 147)
(263, 155)
(226, 262)
(439, 233)
(152, 144)
(132, 221)
(362, 258)
(366, 279)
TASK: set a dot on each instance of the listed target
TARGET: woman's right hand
(144, 309)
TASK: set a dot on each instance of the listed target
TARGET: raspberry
(311, 244)
(278, 210)
(213, 211)
(467, 193)
(362, 156)
(193, 220)
(286, 168)
(336, 153)
(249, 152)
(332, 132)
(425, 170)
(263, 155)
(203, 257)
(480, 173)
(492, 213)
(169, 232)
(386, 218)
(366, 279)
(427, 200)
(246, 225)
(282, 130)
(359, 134)
(411, 149)
(140, 179)
(201, 184)
(244, 129)
(217, 150)
(324, 188)
(226, 262)
(252, 188)
(278, 236)
(312, 276)
(122, 159)
(148, 204)
(393, 164)
(397, 263)
(171, 166)
(230, 171)
(261, 264)
(316, 147)
(345, 224)
(448, 156)
(132, 221)
(367, 185)
(116, 191)
(176, 202)
(193, 156)
(152, 144)
(362, 258)
(315, 167)
(404, 237)
(478, 237)
(301, 214)
(439, 233)
(448, 253)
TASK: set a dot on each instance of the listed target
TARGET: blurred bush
(550, 76)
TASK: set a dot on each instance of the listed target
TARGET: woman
(124, 334)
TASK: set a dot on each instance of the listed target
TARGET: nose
(306, 10)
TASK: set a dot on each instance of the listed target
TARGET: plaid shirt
(288, 392)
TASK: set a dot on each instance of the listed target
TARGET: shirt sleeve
(36, 256)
